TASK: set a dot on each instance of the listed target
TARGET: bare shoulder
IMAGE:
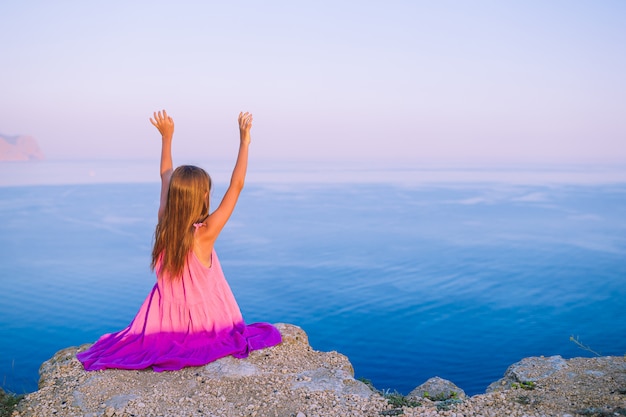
(203, 244)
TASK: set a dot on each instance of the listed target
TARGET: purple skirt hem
(174, 351)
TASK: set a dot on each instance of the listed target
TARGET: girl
(191, 317)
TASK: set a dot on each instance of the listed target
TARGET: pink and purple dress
(189, 321)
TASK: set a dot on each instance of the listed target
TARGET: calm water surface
(456, 280)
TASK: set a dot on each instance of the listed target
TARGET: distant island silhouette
(19, 148)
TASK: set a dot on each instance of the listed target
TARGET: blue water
(409, 281)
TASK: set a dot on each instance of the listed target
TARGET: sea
(411, 272)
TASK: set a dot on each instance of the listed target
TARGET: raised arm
(216, 221)
(165, 125)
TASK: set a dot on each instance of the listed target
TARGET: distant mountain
(19, 148)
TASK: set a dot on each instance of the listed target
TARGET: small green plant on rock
(444, 402)
(394, 398)
(367, 382)
(448, 404)
(8, 402)
(527, 385)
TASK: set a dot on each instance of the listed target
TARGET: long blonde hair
(187, 203)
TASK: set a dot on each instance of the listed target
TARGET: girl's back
(191, 316)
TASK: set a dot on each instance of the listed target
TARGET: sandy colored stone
(293, 380)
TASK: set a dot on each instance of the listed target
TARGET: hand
(164, 123)
(245, 124)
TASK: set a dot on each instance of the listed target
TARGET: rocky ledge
(293, 380)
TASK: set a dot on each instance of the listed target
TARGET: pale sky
(462, 82)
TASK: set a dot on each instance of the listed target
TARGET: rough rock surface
(280, 381)
(437, 388)
(293, 380)
(528, 371)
